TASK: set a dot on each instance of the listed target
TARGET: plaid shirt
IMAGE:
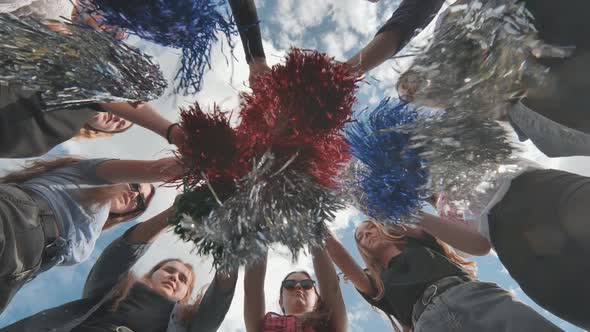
(274, 322)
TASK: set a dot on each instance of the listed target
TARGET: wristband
(169, 131)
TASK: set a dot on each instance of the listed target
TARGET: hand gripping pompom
(483, 56)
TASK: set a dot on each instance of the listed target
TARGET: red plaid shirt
(274, 322)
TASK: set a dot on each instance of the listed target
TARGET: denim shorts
(22, 241)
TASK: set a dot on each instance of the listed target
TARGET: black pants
(22, 241)
(566, 98)
(541, 232)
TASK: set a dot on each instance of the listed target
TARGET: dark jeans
(550, 137)
(22, 241)
(480, 307)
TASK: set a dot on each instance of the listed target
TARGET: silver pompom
(77, 67)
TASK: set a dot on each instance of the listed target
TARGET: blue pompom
(190, 25)
(389, 184)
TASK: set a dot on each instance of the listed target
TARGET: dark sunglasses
(140, 203)
(290, 284)
(139, 200)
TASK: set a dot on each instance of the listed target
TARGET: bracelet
(169, 131)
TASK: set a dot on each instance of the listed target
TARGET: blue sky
(337, 27)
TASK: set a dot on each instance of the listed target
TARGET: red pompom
(209, 147)
(300, 107)
(308, 96)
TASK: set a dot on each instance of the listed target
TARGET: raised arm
(246, 18)
(330, 289)
(396, 33)
(142, 171)
(118, 258)
(215, 303)
(146, 116)
(459, 235)
(254, 306)
(348, 265)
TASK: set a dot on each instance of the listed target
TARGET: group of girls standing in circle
(52, 212)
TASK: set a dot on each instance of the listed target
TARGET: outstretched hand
(258, 67)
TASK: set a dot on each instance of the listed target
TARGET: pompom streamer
(278, 165)
(268, 207)
(388, 179)
(79, 68)
(189, 25)
(461, 154)
(300, 106)
(308, 96)
(483, 56)
(403, 155)
(209, 150)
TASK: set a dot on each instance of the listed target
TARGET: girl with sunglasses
(425, 286)
(116, 300)
(303, 307)
(52, 212)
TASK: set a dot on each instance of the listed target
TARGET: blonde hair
(188, 309)
(89, 198)
(88, 132)
(390, 234)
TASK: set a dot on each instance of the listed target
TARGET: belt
(51, 228)
(434, 290)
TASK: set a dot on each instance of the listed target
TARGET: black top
(408, 274)
(246, 18)
(26, 130)
(143, 310)
(410, 16)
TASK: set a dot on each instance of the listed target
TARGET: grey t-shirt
(81, 226)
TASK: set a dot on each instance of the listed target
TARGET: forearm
(150, 229)
(347, 264)
(254, 304)
(143, 115)
(382, 47)
(139, 171)
(246, 18)
(330, 289)
(458, 235)
(226, 281)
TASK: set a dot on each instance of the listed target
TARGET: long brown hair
(188, 309)
(320, 316)
(390, 234)
(90, 198)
